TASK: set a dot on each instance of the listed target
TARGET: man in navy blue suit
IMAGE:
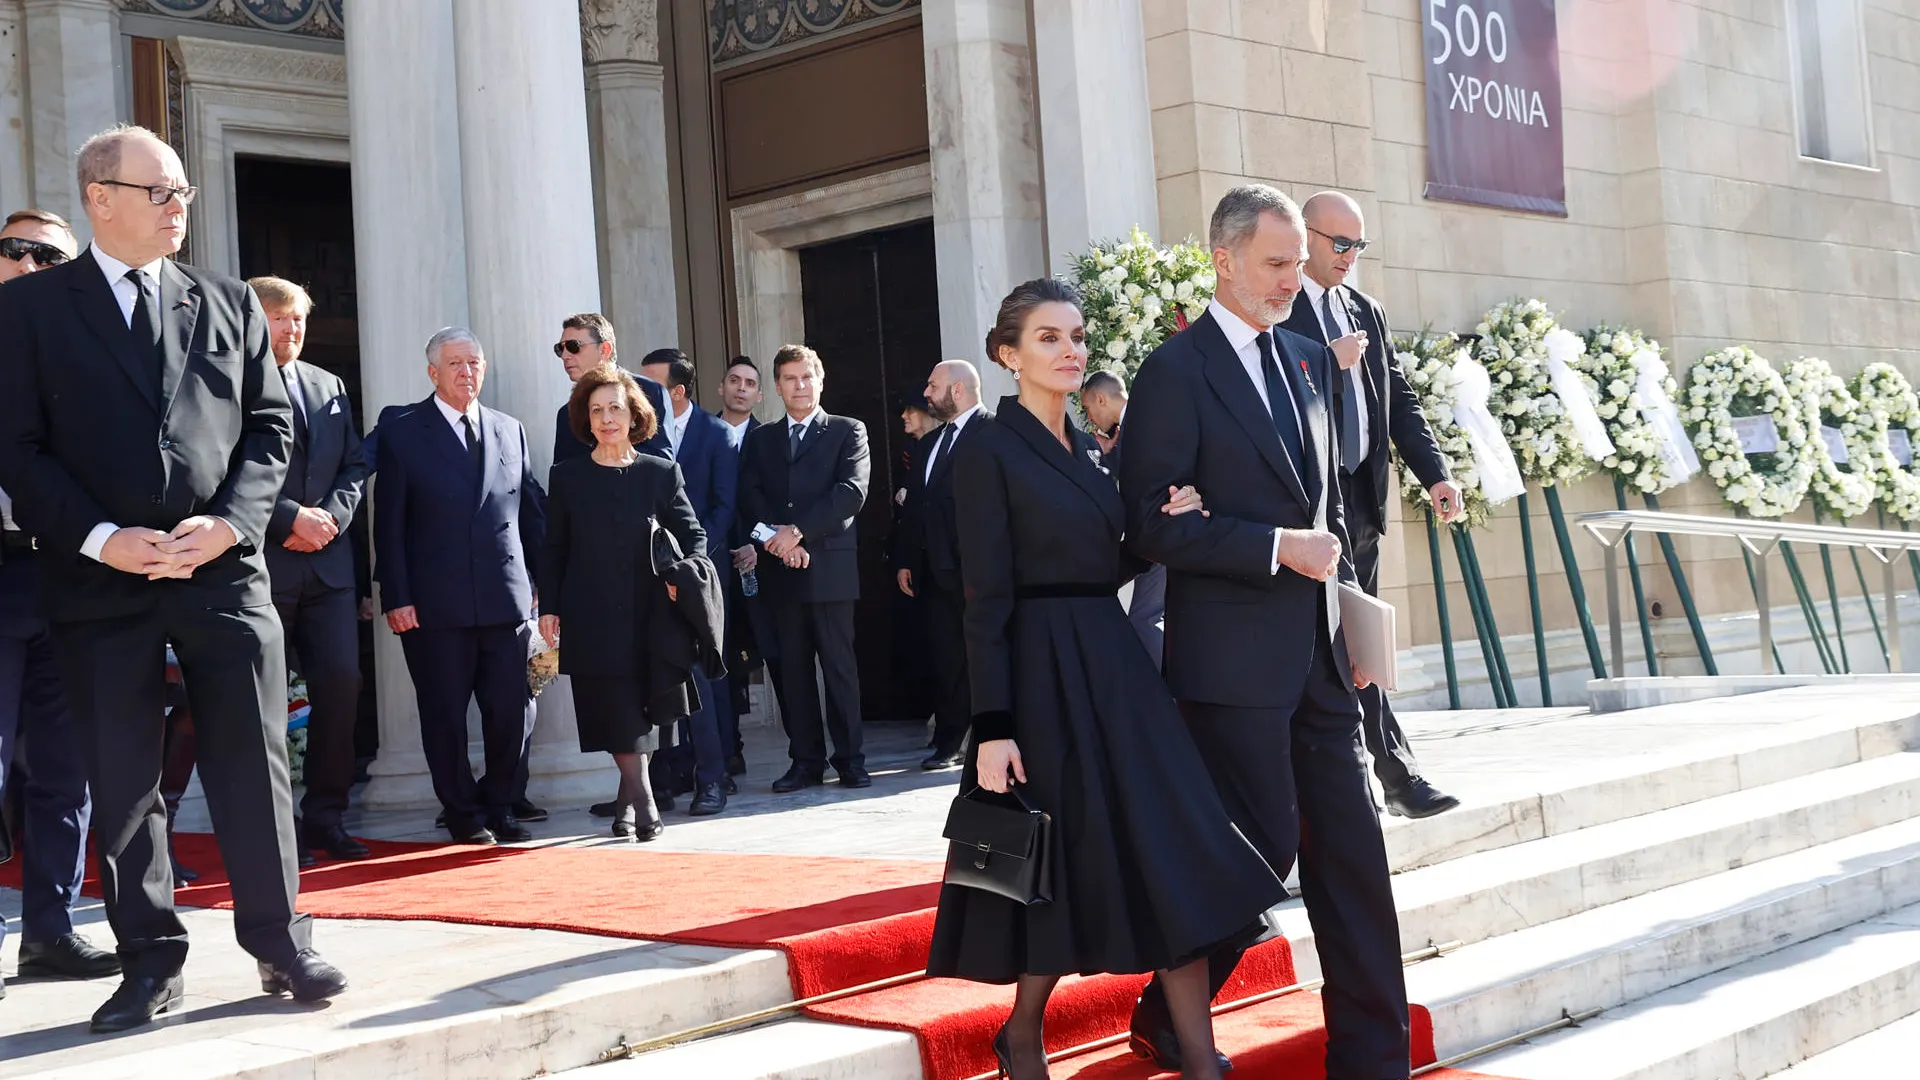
(711, 468)
(586, 342)
(457, 518)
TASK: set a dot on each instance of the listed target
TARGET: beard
(943, 409)
(1265, 311)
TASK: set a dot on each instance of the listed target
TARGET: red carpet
(841, 922)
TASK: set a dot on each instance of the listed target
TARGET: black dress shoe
(1151, 1036)
(308, 978)
(711, 800)
(304, 857)
(1418, 799)
(508, 830)
(139, 999)
(476, 834)
(662, 801)
(729, 787)
(183, 875)
(942, 760)
(69, 956)
(737, 765)
(795, 778)
(526, 811)
(333, 840)
(855, 778)
(610, 808)
(648, 831)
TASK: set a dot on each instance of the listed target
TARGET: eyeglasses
(1341, 244)
(561, 348)
(160, 194)
(16, 248)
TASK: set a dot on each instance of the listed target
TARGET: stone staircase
(1736, 905)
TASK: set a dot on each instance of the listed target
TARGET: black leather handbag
(1000, 844)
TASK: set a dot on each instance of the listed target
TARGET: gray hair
(1237, 215)
(451, 335)
(99, 156)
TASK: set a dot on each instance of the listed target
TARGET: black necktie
(793, 439)
(940, 449)
(144, 324)
(473, 441)
(1351, 452)
(1280, 403)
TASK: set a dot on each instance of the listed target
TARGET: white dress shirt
(676, 425)
(1242, 339)
(453, 417)
(737, 433)
(959, 424)
(126, 294)
(814, 419)
(1354, 376)
(6, 512)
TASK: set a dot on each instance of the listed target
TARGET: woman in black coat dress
(1148, 872)
(597, 578)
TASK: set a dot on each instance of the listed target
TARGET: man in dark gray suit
(312, 565)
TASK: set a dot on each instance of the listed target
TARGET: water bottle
(749, 583)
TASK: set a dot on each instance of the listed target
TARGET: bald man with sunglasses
(1373, 405)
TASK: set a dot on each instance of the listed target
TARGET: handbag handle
(1013, 789)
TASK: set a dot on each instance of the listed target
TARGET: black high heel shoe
(1002, 1054)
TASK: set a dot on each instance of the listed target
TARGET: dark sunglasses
(1342, 245)
(17, 248)
(561, 348)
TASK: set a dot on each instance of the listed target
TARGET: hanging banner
(1493, 104)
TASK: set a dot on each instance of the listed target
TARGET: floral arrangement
(1135, 294)
(1887, 401)
(1513, 349)
(1841, 490)
(1734, 382)
(1427, 360)
(297, 710)
(1640, 458)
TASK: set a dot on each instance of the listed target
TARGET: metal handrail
(1611, 527)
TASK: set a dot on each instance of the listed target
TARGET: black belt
(15, 540)
(1066, 591)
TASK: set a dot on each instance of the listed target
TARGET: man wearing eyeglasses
(1373, 404)
(144, 436)
(586, 342)
(51, 778)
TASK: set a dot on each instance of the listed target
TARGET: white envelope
(1371, 638)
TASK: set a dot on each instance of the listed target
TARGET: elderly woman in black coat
(597, 579)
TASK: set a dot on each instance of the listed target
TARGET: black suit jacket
(711, 468)
(456, 546)
(566, 447)
(1393, 410)
(930, 532)
(329, 472)
(92, 431)
(1237, 633)
(737, 530)
(820, 493)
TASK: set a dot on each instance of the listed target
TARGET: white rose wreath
(1513, 348)
(1624, 365)
(1844, 491)
(1887, 401)
(1736, 381)
(1427, 360)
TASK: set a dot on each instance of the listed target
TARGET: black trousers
(1295, 784)
(234, 670)
(1393, 760)
(766, 645)
(822, 632)
(323, 644)
(946, 638)
(451, 667)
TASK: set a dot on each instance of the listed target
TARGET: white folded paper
(1372, 643)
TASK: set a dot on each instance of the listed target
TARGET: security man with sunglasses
(50, 778)
(1374, 404)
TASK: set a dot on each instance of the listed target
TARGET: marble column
(987, 204)
(1096, 131)
(627, 127)
(410, 252)
(531, 261)
(71, 57)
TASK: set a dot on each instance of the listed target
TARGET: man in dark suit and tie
(1373, 404)
(932, 552)
(586, 342)
(750, 634)
(806, 478)
(1104, 397)
(710, 467)
(312, 566)
(143, 440)
(457, 518)
(1255, 655)
(51, 780)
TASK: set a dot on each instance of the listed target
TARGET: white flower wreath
(1642, 458)
(1841, 490)
(1764, 485)
(1427, 360)
(1887, 401)
(1137, 293)
(1513, 349)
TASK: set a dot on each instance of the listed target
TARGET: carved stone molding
(306, 18)
(620, 30)
(206, 62)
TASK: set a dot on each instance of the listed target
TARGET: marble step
(1491, 893)
(1748, 1021)
(787, 1050)
(1804, 732)
(1890, 1051)
(1607, 956)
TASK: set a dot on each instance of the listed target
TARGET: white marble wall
(71, 51)
(16, 176)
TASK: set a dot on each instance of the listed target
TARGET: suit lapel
(179, 313)
(816, 434)
(1073, 464)
(100, 313)
(945, 463)
(1236, 391)
(493, 450)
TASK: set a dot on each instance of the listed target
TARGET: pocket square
(334, 409)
